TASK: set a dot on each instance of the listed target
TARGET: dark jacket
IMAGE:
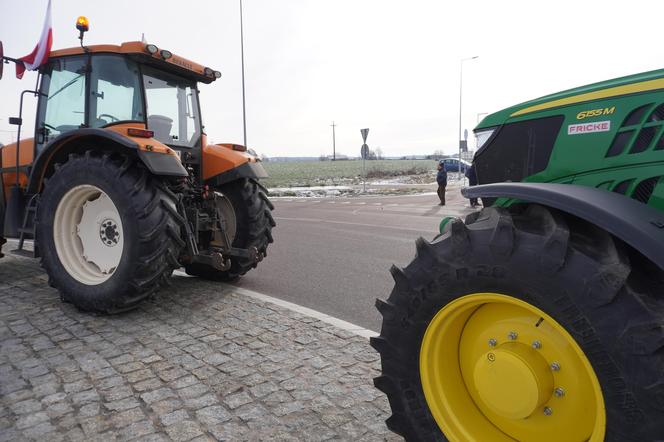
(471, 175)
(441, 178)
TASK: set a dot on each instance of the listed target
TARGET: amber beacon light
(82, 24)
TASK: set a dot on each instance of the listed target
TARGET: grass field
(331, 173)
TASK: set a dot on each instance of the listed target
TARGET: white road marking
(339, 323)
(326, 221)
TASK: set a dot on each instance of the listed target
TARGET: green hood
(632, 84)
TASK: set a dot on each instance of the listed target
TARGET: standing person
(441, 178)
(472, 181)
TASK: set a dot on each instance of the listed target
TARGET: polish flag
(39, 54)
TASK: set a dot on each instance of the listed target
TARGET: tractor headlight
(483, 135)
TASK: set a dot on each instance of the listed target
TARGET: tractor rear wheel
(525, 325)
(253, 223)
(108, 232)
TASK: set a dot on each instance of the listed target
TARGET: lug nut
(537, 345)
(492, 342)
(548, 411)
(512, 335)
(555, 366)
(559, 392)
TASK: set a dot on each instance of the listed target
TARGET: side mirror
(2, 60)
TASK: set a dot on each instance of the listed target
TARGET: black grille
(518, 150)
(636, 115)
(619, 143)
(660, 143)
(657, 114)
(623, 186)
(644, 189)
(648, 132)
(643, 139)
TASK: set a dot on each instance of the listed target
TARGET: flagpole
(244, 112)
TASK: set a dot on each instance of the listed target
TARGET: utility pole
(334, 143)
(244, 112)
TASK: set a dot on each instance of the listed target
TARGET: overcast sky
(389, 65)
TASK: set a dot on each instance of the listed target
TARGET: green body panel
(503, 116)
(584, 158)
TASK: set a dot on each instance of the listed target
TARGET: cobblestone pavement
(195, 363)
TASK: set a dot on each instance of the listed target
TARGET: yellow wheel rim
(495, 368)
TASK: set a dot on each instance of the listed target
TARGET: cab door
(62, 106)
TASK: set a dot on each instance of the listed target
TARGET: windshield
(172, 108)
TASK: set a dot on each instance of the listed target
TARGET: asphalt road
(333, 254)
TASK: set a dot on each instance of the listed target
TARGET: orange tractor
(119, 187)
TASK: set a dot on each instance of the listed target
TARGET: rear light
(152, 49)
(239, 148)
(208, 72)
(141, 133)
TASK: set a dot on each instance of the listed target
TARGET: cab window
(172, 108)
(115, 91)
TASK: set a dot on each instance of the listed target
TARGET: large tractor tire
(524, 325)
(250, 224)
(108, 232)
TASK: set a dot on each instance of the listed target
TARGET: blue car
(452, 165)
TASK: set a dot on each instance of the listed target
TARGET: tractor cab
(133, 85)
(112, 85)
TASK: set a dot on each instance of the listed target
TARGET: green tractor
(541, 317)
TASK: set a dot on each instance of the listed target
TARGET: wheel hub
(88, 234)
(494, 367)
(108, 232)
(513, 380)
(100, 232)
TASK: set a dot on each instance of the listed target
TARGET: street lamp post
(460, 105)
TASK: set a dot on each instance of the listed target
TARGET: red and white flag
(39, 54)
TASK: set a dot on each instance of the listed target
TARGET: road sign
(364, 152)
(365, 132)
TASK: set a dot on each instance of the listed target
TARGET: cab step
(27, 231)
(23, 252)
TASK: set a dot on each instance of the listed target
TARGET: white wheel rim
(88, 234)
(227, 210)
